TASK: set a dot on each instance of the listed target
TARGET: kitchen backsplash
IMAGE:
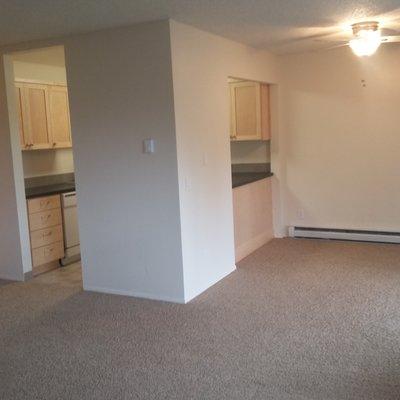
(250, 152)
(47, 162)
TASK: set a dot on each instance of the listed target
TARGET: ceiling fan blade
(337, 46)
(391, 39)
(389, 32)
(342, 42)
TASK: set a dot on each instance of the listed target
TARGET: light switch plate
(148, 146)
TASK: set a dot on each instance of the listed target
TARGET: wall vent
(344, 234)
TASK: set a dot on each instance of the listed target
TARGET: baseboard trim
(10, 278)
(345, 234)
(130, 293)
(251, 245)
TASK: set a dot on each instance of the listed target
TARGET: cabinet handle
(54, 144)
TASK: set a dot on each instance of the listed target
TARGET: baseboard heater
(344, 234)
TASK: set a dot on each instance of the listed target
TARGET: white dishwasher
(71, 230)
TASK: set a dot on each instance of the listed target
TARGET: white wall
(11, 266)
(44, 65)
(341, 139)
(120, 86)
(202, 63)
(145, 229)
(252, 213)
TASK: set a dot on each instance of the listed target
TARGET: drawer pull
(43, 217)
(44, 203)
(47, 234)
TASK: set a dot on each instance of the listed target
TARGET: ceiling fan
(368, 36)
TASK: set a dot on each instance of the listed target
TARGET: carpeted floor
(299, 319)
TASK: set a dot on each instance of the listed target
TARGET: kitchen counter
(243, 174)
(49, 190)
(243, 178)
(48, 185)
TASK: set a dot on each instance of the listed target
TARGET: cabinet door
(265, 112)
(35, 115)
(59, 117)
(245, 111)
(23, 134)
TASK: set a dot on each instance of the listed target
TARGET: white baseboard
(130, 293)
(255, 243)
(12, 278)
(345, 234)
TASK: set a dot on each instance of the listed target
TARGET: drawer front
(46, 254)
(44, 219)
(43, 203)
(46, 236)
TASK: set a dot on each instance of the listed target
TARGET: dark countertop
(48, 190)
(243, 178)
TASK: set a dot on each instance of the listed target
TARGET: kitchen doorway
(41, 138)
(250, 145)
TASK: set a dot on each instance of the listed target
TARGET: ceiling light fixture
(367, 38)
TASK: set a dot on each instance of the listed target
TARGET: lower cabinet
(46, 233)
(47, 254)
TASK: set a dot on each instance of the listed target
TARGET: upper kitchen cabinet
(35, 116)
(23, 134)
(44, 116)
(59, 116)
(250, 111)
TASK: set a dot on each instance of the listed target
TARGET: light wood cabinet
(44, 116)
(39, 204)
(250, 111)
(46, 236)
(35, 114)
(45, 219)
(46, 233)
(59, 116)
(23, 134)
(46, 255)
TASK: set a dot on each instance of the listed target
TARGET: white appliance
(71, 231)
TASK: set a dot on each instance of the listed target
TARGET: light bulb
(366, 43)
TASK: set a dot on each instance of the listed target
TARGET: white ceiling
(282, 26)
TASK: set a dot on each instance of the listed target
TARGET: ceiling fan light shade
(366, 43)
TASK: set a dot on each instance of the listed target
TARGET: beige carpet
(299, 319)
